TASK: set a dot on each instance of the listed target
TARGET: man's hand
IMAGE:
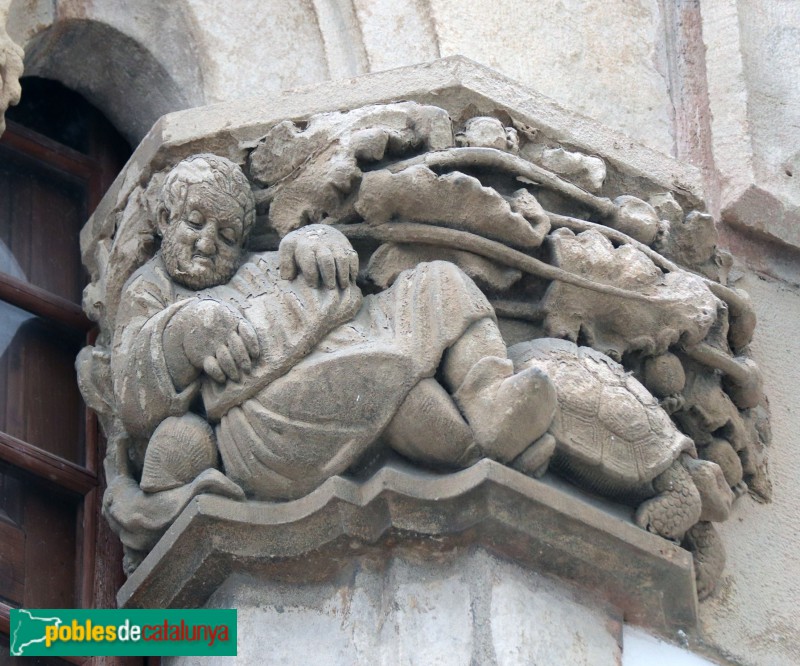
(211, 336)
(320, 253)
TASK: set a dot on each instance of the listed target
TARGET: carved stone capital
(292, 297)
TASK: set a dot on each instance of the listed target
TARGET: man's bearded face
(202, 243)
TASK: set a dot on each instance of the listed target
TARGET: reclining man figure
(298, 372)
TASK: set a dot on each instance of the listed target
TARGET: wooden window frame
(80, 481)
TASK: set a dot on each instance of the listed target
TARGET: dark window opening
(58, 156)
(52, 110)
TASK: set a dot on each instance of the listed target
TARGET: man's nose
(206, 244)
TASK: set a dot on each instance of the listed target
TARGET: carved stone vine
(601, 342)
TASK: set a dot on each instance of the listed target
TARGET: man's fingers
(343, 269)
(286, 251)
(321, 254)
(212, 369)
(354, 266)
(226, 362)
(239, 352)
(307, 261)
(250, 338)
(327, 267)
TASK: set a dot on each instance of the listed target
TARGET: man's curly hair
(212, 170)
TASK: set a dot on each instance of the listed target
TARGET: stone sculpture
(10, 69)
(610, 435)
(298, 322)
(298, 372)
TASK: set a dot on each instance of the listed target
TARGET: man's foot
(534, 460)
(506, 411)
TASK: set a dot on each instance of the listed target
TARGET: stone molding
(539, 526)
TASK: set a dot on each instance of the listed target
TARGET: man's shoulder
(153, 268)
(265, 260)
(258, 267)
(150, 277)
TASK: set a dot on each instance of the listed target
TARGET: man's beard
(196, 277)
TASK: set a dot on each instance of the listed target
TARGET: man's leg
(481, 340)
(506, 412)
(428, 428)
(483, 409)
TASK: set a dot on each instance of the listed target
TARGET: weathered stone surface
(465, 606)
(704, 92)
(666, 207)
(453, 83)
(584, 170)
(452, 200)
(636, 218)
(583, 71)
(294, 54)
(10, 67)
(759, 210)
(771, 66)
(692, 241)
(315, 538)
(200, 321)
(613, 437)
(147, 66)
(743, 42)
(488, 132)
(754, 139)
(640, 648)
(577, 633)
(391, 259)
(311, 173)
(755, 615)
(678, 306)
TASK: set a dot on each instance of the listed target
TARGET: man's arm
(143, 387)
(210, 336)
(161, 348)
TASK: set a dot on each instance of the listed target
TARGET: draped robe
(333, 369)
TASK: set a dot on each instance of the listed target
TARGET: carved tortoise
(611, 436)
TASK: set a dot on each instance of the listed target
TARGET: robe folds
(334, 365)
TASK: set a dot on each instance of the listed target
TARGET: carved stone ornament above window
(414, 300)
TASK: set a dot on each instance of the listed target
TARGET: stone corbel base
(349, 536)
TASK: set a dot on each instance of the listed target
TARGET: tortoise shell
(607, 423)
